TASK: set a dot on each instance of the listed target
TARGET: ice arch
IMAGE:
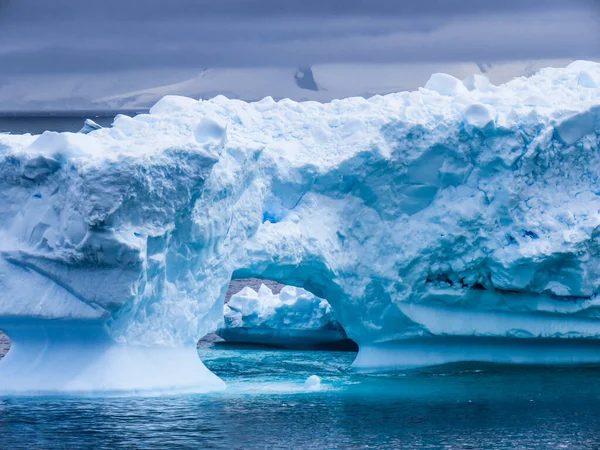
(442, 225)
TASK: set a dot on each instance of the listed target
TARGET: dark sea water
(38, 122)
(463, 406)
(467, 406)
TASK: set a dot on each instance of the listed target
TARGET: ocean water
(36, 122)
(465, 406)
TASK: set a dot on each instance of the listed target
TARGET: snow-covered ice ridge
(292, 318)
(462, 211)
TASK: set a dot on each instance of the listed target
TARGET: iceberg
(88, 126)
(441, 225)
(294, 318)
(312, 383)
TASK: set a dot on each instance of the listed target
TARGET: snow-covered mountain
(141, 89)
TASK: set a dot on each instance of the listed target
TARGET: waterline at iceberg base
(439, 350)
(78, 358)
(419, 216)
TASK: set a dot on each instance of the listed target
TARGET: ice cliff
(293, 318)
(445, 224)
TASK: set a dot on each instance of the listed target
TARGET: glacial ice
(441, 225)
(293, 318)
(312, 383)
(88, 126)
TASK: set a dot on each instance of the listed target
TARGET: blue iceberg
(451, 223)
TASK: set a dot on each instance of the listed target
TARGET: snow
(445, 84)
(417, 215)
(209, 130)
(292, 318)
(573, 128)
(479, 115)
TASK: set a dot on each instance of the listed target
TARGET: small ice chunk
(445, 84)
(583, 65)
(535, 100)
(88, 126)
(313, 382)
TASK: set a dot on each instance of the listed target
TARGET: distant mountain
(305, 79)
(140, 90)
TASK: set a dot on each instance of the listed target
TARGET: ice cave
(457, 222)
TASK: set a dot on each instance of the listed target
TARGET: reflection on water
(266, 406)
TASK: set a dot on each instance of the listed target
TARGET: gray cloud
(249, 9)
(106, 39)
(71, 36)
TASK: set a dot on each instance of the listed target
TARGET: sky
(114, 48)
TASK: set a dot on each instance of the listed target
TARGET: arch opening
(267, 313)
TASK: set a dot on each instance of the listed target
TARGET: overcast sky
(104, 38)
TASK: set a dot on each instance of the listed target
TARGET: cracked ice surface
(441, 212)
